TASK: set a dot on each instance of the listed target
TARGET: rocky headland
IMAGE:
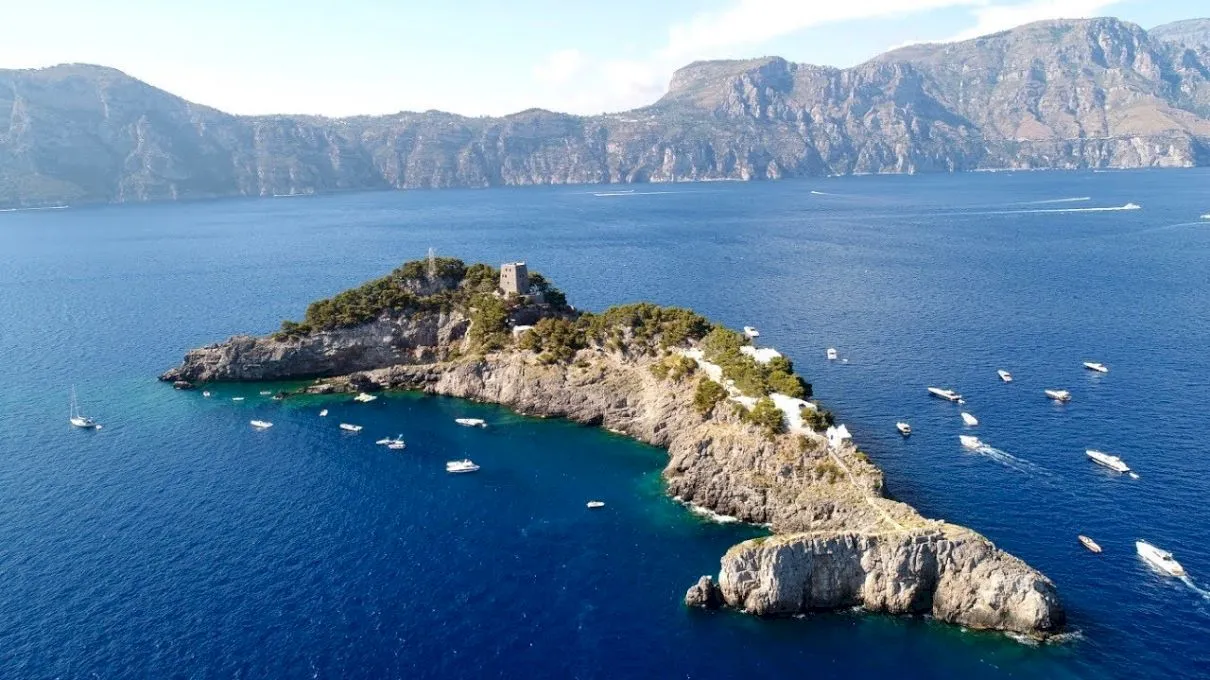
(741, 437)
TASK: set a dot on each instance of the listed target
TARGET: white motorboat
(323, 413)
(237, 398)
(1094, 366)
(1112, 462)
(395, 442)
(350, 428)
(1005, 375)
(1059, 395)
(1160, 559)
(206, 394)
(751, 333)
(1089, 543)
(969, 419)
(261, 424)
(471, 422)
(397, 445)
(593, 505)
(364, 398)
(78, 419)
(948, 395)
(970, 442)
(904, 428)
(832, 354)
(460, 466)
(265, 393)
(1132, 206)
(384, 441)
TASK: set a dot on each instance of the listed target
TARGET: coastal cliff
(740, 435)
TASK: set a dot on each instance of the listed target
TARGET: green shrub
(767, 416)
(708, 395)
(817, 418)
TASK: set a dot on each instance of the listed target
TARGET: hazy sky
(487, 57)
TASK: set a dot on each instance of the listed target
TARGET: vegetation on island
(723, 346)
(817, 418)
(767, 416)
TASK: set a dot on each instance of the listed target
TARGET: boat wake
(1055, 211)
(1008, 460)
(1195, 588)
(633, 193)
(1080, 199)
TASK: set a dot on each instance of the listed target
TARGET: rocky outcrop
(1058, 94)
(837, 542)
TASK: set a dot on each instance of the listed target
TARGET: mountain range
(1062, 94)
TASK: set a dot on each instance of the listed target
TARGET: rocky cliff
(837, 540)
(1059, 94)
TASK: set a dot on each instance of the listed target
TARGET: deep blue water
(176, 542)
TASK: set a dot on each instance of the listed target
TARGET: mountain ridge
(1059, 94)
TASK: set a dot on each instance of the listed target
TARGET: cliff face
(1060, 94)
(838, 541)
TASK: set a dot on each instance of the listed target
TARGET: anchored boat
(460, 466)
(904, 428)
(1089, 543)
(1094, 366)
(970, 442)
(261, 424)
(593, 505)
(78, 419)
(1005, 375)
(832, 354)
(969, 419)
(1112, 462)
(1059, 395)
(364, 398)
(471, 422)
(1160, 559)
(948, 395)
(350, 428)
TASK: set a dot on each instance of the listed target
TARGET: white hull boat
(261, 424)
(1160, 559)
(237, 398)
(364, 398)
(350, 428)
(751, 333)
(206, 394)
(1005, 375)
(78, 419)
(948, 395)
(323, 413)
(471, 422)
(970, 442)
(1112, 462)
(1089, 543)
(832, 354)
(1059, 395)
(1094, 366)
(265, 393)
(969, 419)
(593, 505)
(904, 428)
(460, 466)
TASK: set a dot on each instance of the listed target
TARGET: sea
(179, 542)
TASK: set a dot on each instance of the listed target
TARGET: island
(743, 437)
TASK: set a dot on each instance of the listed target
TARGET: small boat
(397, 445)
(904, 428)
(1112, 462)
(392, 443)
(279, 396)
(265, 393)
(471, 422)
(1160, 559)
(323, 413)
(751, 332)
(1094, 366)
(593, 505)
(1206, 216)
(460, 466)
(832, 354)
(206, 394)
(948, 395)
(969, 419)
(1059, 395)
(78, 419)
(237, 398)
(1132, 206)
(350, 428)
(261, 424)
(384, 441)
(1089, 543)
(1005, 375)
(364, 398)
(970, 442)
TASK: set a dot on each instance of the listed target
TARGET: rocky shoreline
(837, 540)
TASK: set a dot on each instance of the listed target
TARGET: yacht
(593, 505)
(751, 333)
(1059, 395)
(261, 424)
(460, 466)
(948, 395)
(265, 393)
(1112, 462)
(237, 398)
(392, 443)
(350, 428)
(323, 413)
(1089, 543)
(397, 445)
(364, 398)
(1160, 559)
(471, 422)
(904, 428)
(832, 354)
(969, 419)
(1005, 375)
(970, 442)
(78, 419)
(206, 394)
(1094, 366)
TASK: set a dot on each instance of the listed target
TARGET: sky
(485, 57)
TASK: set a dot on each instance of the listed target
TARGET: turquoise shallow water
(177, 541)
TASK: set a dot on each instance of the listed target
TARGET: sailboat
(78, 419)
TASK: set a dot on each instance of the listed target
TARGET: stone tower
(514, 278)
